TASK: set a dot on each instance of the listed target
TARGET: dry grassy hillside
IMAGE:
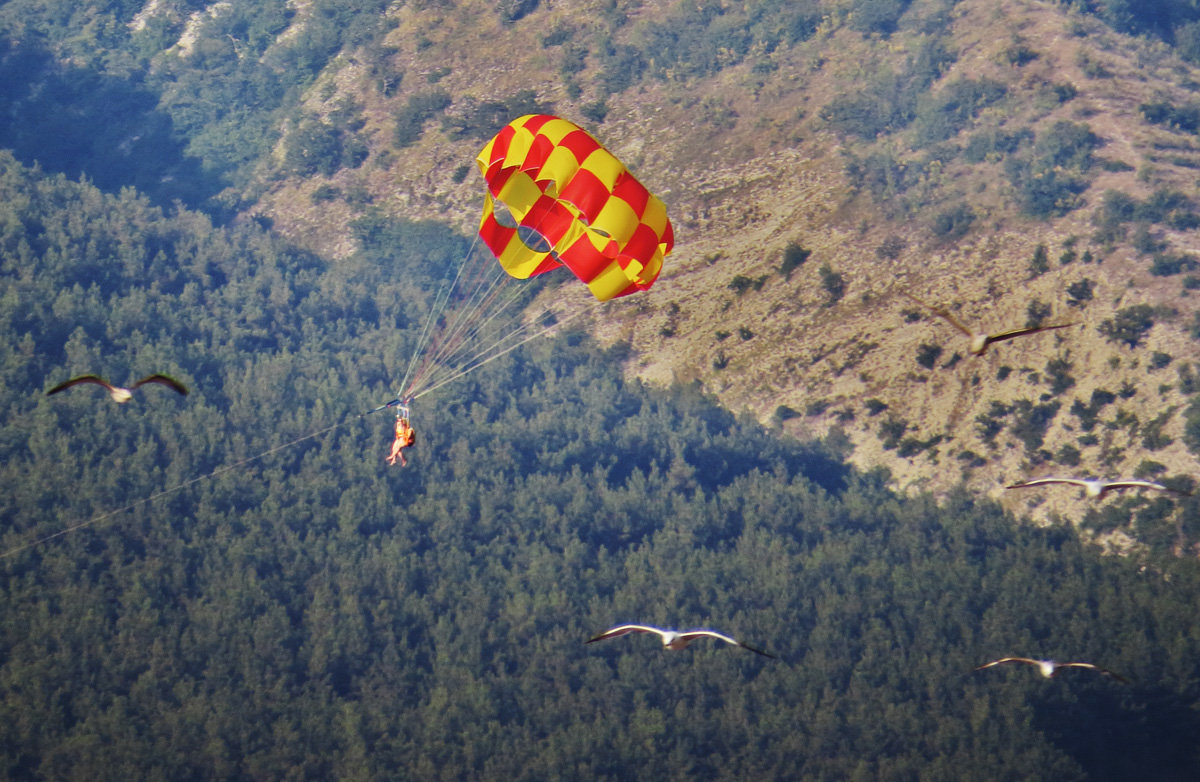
(748, 165)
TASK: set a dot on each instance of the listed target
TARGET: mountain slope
(947, 157)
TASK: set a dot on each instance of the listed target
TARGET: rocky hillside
(1014, 161)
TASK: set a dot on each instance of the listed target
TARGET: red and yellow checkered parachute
(557, 197)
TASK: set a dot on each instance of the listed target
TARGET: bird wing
(944, 313)
(1004, 335)
(1046, 481)
(1097, 669)
(620, 630)
(1135, 485)
(1008, 660)
(692, 635)
(756, 650)
(165, 380)
(76, 381)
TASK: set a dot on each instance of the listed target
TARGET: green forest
(314, 614)
(233, 584)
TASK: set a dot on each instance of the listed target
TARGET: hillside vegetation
(1018, 162)
(262, 199)
(272, 602)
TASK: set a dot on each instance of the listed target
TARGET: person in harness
(405, 437)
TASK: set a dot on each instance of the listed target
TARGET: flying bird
(1095, 488)
(675, 640)
(980, 341)
(118, 394)
(1050, 668)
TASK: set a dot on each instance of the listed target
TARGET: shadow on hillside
(80, 123)
(1115, 737)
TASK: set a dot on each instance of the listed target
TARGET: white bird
(1094, 487)
(1049, 668)
(118, 394)
(675, 640)
(980, 341)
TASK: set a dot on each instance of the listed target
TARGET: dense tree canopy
(234, 585)
(312, 613)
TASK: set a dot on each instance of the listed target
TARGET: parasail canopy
(557, 197)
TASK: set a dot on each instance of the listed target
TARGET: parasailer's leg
(397, 447)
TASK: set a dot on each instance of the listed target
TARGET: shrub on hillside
(1036, 312)
(927, 355)
(794, 256)
(995, 144)
(876, 16)
(1191, 426)
(1030, 422)
(1128, 325)
(891, 430)
(1058, 371)
(1080, 292)
(953, 223)
(988, 425)
(890, 248)
(943, 114)
(410, 119)
(1049, 180)
(1039, 263)
(833, 283)
(1172, 115)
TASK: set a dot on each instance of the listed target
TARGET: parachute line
(176, 488)
(435, 314)
(445, 356)
(484, 357)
